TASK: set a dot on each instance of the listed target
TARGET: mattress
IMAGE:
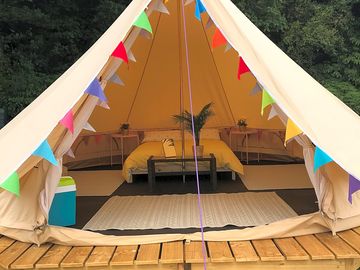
(137, 160)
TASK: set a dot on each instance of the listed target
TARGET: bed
(136, 162)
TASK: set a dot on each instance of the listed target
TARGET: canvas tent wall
(297, 95)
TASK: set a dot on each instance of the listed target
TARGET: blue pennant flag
(199, 9)
(354, 185)
(320, 158)
(44, 151)
(96, 90)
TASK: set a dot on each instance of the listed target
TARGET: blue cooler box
(63, 208)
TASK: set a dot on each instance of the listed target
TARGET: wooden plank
(100, 256)
(352, 238)
(148, 254)
(193, 252)
(337, 246)
(244, 251)
(124, 255)
(53, 257)
(28, 259)
(5, 242)
(76, 257)
(172, 252)
(220, 252)
(315, 248)
(291, 249)
(267, 250)
(12, 253)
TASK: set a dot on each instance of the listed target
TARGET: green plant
(199, 120)
(242, 122)
(125, 126)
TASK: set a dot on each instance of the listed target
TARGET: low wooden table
(152, 173)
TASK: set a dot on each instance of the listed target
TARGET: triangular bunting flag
(292, 130)
(354, 186)
(272, 113)
(257, 88)
(199, 9)
(243, 68)
(228, 47)
(96, 90)
(218, 39)
(70, 153)
(131, 56)
(103, 104)
(266, 101)
(89, 127)
(143, 22)
(12, 184)
(209, 23)
(68, 121)
(145, 34)
(120, 52)
(116, 79)
(188, 2)
(159, 6)
(320, 158)
(44, 151)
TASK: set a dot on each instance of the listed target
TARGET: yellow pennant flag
(292, 130)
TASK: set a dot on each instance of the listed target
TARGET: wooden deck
(321, 251)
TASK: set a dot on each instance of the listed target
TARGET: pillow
(169, 148)
(159, 135)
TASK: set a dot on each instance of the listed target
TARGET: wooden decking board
(315, 248)
(76, 257)
(220, 252)
(243, 251)
(124, 255)
(291, 249)
(148, 254)
(28, 259)
(352, 238)
(53, 257)
(337, 246)
(172, 252)
(267, 250)
(193, 252)
(12, 253)
(100, 256)
(5, 242)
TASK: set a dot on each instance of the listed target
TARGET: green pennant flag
(12, 184)
(266, 101)
(143, 22)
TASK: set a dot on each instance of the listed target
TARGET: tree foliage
(40, 39)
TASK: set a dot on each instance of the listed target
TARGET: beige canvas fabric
(148, 91)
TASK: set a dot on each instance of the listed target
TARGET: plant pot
(242, 128)
(125, 131)
(199, 149)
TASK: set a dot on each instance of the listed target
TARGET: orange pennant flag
(292, 130)
(218, 39)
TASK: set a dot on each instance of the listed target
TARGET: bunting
(116, 79)
(266, 101)
(44, 151)
(159, 6)
(12, 184)
(320, 158)
(89, 127)
(188, 2)
(209, 23)
(104, 105)
(354, 186)
(228, 47)
(218, 39)
(272, 113)
(145, 34)
(96, 90)
(68, 121)
(70, 153)
(199, 8)
(243, 68)
(143, 22)
(257, 88)
(120, 52)
(131, 56)
(292, 130)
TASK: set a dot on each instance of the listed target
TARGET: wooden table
(122, 137)
(152, 173)
(246, 133)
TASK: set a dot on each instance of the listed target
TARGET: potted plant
(199, 121)
(242, 124)
(125, 128)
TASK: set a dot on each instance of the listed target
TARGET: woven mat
(265, 177)
(181, 211)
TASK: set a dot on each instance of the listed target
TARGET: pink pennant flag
(120, 52)
(243, 68)
(68, 121)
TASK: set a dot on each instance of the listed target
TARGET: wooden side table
(246, 133)
(122, 137)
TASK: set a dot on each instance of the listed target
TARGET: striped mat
(181, 211)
